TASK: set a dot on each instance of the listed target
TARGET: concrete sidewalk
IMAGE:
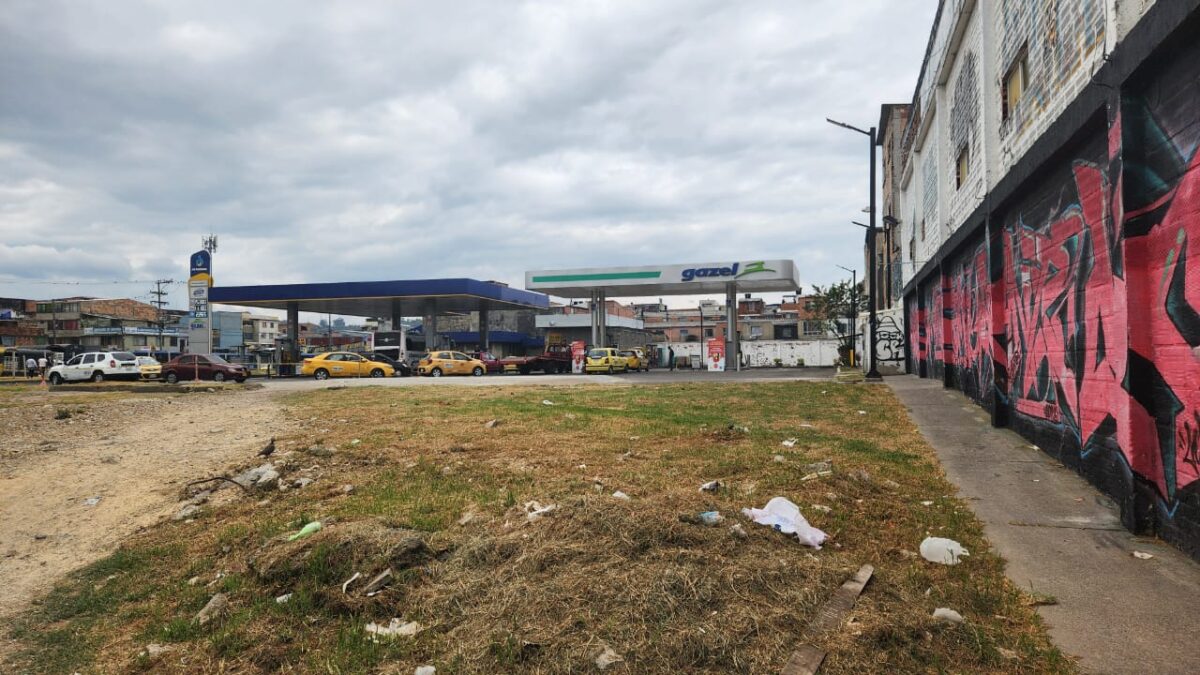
(1062, 537)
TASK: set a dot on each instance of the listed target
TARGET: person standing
(671, 357)
(30, 366)
(42, 364)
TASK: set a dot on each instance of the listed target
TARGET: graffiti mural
(889, 340)
(971, 323)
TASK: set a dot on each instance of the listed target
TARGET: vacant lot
(415, 481)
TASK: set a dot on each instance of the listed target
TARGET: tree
(833, 304)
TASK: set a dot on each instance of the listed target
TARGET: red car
(204, 366)
(491, 363)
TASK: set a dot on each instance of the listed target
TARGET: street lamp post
(873, 373)
(853, 313)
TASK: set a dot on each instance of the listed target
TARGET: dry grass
(500, 594)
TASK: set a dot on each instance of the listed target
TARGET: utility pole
(853, 315)
(159, 304)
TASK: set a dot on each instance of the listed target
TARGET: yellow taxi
(343, 364)
(605, 360)
(439, 363)
(149, 368)
(635, 359)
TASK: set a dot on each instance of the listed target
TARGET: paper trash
(784, 516)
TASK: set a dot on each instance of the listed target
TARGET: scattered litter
(571, 416)
(467, 518)
(822, 508)
(346, 583)
(425, 670)
(193, 581)
(824, 391)
(607, 658)
(635, 438)
(890, 484)
(711, 486)
(621, 495)
(831, 496)
(155, 650)
(314, 526)
(1040, 599)
(780, 458)
(907, 553)
(948, 615)
(547, 401)
(862, 412)
(283, 599)
(926, 503)
(581, 466)
(806, 425)
(711, 518)
(1142, 555)
(814, 476)
(738, 531)
(861, 475)
(789, 442)
(943, 551)
(186, 512)
(818, 467)
(91, 501)
(534, 510)
(784, 516)
(1008, 654)
(302, 482)
(491, 424)
(216, 607)
(355, 442)
(347, 489)
(395, 628)
(375, 585)
(738, 428)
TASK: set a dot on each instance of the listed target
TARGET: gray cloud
(328, 141)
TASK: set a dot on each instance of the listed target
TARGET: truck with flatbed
(556, 359)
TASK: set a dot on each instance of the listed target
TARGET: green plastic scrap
(314, 526)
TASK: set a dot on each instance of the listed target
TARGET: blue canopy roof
(383, 298)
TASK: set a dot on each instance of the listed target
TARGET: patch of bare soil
(77, 478)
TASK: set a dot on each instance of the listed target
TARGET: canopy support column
(398, 325)
(602, 314)
(430, 321)
(484, 330)
(293, 331)
(731, 331)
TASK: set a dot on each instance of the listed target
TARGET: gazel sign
(655, 280)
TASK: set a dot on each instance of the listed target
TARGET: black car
(402, 369)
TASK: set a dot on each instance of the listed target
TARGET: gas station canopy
(689, 279)
(382, 298)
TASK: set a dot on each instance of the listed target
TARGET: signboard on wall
(716, 354)
(199, 321)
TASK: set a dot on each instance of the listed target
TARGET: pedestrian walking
(42, 364)
(30, 366)
(671, 357)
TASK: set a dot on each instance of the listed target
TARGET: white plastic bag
(942, 550)
(784, 516)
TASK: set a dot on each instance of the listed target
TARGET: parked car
(635, 359)
(402, 369)
(203, 366)
(605, 360)
(97, 367)
(343, 364)
(149, 368)
(438, 363)
(490, 363)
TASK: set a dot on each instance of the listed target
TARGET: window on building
(708, 332)
(912, 252)
(1015, 81)
(962, 165)
(756, 331)
(683, 333)
(809, 305)
(813, 328)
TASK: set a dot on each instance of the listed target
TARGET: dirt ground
(132, 452)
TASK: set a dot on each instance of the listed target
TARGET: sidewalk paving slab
(1116, 613)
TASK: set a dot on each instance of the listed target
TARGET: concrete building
(17, 327)
(112, 323)
(1048, 200)
(259, 331)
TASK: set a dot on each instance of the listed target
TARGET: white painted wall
(763, 354)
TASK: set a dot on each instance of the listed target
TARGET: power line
(13, 281)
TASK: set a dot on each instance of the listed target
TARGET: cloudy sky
(388, 140)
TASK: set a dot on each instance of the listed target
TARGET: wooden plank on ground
(807, 659)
